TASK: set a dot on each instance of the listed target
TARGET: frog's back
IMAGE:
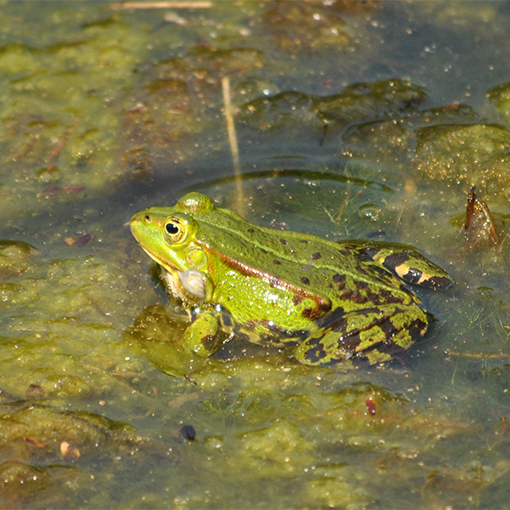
(303, 263)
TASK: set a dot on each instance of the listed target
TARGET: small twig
(478, 355)
(161, 5)
(232, 137)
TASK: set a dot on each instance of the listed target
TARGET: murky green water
(366, 120)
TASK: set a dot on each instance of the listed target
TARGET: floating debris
(35, 391)
(188, 432)
(371, 406)
(479, 224)
(81, 241)
(69, 452)
(161, 5)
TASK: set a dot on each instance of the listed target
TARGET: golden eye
(174, 230)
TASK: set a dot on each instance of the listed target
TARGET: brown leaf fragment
(81, 241)
(73, 188)
(479, 224)
(35, 391)
(33, 442)
(69, 452)
(50, 191)
(161, 5)
(55, 190)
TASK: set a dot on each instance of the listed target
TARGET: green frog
(333, 302)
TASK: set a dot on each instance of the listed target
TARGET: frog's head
(168, 235)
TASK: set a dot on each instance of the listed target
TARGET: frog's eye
(174, 230)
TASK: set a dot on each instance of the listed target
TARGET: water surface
(366, 120)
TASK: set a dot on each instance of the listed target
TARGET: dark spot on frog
(316, 256)
(383, 273)
(394, 260)
(330, 319)
(283, 241)
(188, 432)
(226, 319)
(304, 241)
(250, 230)
(387, 296)
(249, 326)
(297, 299)
(315, 352)
(361, 285)
(263, 251)
(388, 328)
(437, 282)
(339, 279)
(354, 296)
(416, 329)
(285, 336)
(350, 342)
(305, 280)
(277, 262)
(312, 313)
(366, 254)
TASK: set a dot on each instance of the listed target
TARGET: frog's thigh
(373, 334)
(412, 267)
(201, 335)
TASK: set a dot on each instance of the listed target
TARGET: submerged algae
(118, 110)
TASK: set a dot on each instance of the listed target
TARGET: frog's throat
(323, 302)
(189, 285)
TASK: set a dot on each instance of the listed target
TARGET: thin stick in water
(232, 137)
(161, 5)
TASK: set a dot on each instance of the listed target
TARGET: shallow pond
(349, 120)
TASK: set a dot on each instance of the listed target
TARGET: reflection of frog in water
(336, 302)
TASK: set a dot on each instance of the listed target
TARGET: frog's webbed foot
(407, 264)
(372, 336)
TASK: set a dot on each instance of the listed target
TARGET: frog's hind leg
(407, 264)
(371, 335)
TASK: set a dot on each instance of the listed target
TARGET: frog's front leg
(373, 335)
(201, 336)
(408, 265)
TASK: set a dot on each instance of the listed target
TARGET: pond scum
(348, 120)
